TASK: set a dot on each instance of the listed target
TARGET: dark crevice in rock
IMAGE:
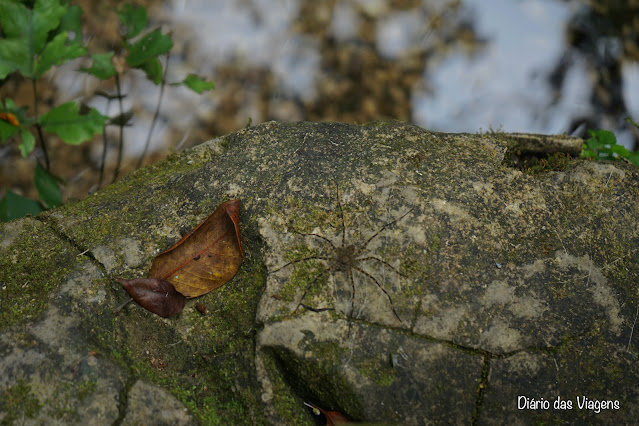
(568, 340)
(536, 153)
(481, 387)
(451, 344)
(53, 226)
(326, 389)
(415, 315)
(123, 399)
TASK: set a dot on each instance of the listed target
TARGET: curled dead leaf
(206, 258)
(157, 296)
(332, 417)
(11, 118)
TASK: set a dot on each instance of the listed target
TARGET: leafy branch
(35, 39)
(602, 145)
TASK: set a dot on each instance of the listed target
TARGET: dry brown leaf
(157, 296)
(207, 257)
(332, 417)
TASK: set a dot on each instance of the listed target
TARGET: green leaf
(102, 66)
(26, 37)
(57, 52)
(45, 17)
(14, 56)
(73, 128)
(620, 150)
(198, 84)
(27, 144)
(598, 144)
(8, 103)
(586, 153)
(604, 137)
(634, 158)
(153, 70)
(631, 121)
(13, 206)
(71, 22)
(133, 20)
(150, 46)
(602, 145)
(7, 130)
(593, 144)
(14, 18)
(48, 187)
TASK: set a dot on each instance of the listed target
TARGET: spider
(345, 258)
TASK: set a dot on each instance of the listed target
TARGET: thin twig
(632, 330)
(122, 305)
(105, 142)
(38, 126)
(156, 115)
(121, 141)
(561, 241)
(605, 186)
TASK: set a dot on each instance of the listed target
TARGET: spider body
(345, 258)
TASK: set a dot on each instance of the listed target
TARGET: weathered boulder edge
(393, 274)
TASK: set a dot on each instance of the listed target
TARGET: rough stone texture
(149, 404)
(392, 274)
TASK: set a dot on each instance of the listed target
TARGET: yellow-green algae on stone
(33, 263)
(391, 274)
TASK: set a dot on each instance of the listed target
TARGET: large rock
(391, 274)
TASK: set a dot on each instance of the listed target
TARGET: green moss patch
(32, 264)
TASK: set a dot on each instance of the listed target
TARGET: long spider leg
(300, 260)
(362, 259)
(390, 300)
(350, 278)
(308, 287)
(341, 214)
(323, 238)
(386, 225)
(310, 308)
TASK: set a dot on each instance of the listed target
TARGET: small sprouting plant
(602, 145)
(34, 37)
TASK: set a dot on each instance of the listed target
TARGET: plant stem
(38, 127)
(156, 115)
(122, 305)
(104, 147)
(121, 141)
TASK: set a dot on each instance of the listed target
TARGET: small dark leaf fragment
(200, 308)
(158, 364)
(155, 295)
(332, 417)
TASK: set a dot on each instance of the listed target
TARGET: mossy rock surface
(392, 274)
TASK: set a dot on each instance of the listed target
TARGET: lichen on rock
(391, 274)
